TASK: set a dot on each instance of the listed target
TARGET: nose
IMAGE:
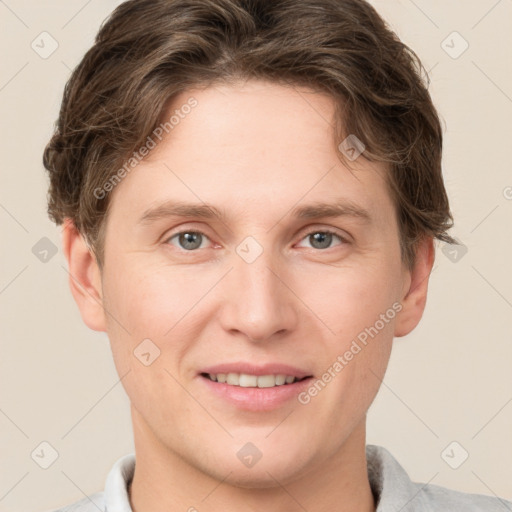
(259, 303)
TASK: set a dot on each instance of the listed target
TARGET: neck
(164, 480)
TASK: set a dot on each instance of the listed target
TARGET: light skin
(255, 151)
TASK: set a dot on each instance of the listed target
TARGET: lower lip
(257, 399)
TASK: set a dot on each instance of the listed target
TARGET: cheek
(144, 311)
(361, 313)
(157, 302)
(349, 299)
(358, 305)
(152, 299)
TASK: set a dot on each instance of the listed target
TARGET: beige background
(450, 380)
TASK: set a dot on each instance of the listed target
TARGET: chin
(264, 477)
(274, 467)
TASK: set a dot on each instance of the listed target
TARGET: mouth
(255, 388)
(246, 380)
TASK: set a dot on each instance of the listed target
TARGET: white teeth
(280, 380)
(266, 381)
(233, 379)
(245, 380)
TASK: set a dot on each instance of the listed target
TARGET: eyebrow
(317, 210)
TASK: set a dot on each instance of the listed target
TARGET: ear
(414, 291)
(84, 277)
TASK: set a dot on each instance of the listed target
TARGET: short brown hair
(148, 51)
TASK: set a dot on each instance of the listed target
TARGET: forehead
(256, 118)
(255, 148)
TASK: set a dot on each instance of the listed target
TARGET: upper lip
(252, 369)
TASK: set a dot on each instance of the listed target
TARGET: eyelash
(323, 231)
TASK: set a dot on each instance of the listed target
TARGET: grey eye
(322, 239)
(188, 240)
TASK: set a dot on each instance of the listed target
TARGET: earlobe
(414, 294)
(84, 277)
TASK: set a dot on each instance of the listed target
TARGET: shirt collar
(390, 484)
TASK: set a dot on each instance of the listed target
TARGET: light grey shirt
(391, 486)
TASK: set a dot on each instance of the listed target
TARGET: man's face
(258, 291)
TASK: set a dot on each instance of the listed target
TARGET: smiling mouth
(245, 380)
